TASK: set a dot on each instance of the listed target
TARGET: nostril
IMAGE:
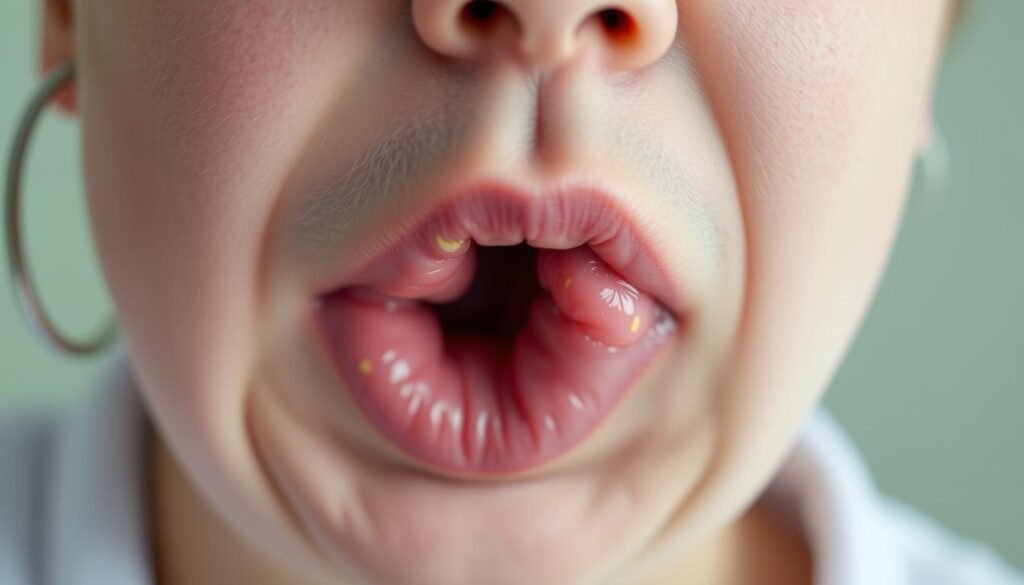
(482, 15)
(618, 24)
(480, 11)
(627, 34)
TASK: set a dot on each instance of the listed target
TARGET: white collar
(99, 528)
(99, 525)
(825, 486)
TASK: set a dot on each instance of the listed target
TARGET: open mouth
(501, 332)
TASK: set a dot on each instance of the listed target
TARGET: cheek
(819, 103)
(790, 80)
(816, 99)
(191, 118)
(805, 110)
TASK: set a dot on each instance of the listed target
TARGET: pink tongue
(590, 292)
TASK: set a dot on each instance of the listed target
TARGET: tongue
(588, 291)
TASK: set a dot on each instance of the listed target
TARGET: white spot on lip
(575, 401)
(630, 289)
(389, 356)
(455, 419)
(550, 423)
(623, 300)
(481, 428)
(437, 411)
(400, 371)
(414, 404)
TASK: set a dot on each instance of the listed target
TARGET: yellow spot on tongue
(568, 282)
(635, 325)
(449, 246)
(365, 366)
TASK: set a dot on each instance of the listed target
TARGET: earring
(937, 167)
(24, 291)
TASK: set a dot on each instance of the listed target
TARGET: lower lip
(468, 405)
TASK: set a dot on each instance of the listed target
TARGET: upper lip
(661, 287)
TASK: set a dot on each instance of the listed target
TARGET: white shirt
(73, 502)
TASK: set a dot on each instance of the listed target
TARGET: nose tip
(629, 34)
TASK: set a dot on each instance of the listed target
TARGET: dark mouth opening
(496, 305)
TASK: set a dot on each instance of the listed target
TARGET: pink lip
(473, 405)
(445, 212)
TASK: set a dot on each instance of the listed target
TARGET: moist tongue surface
(606, 306)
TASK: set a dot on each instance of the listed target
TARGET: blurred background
(932, 390)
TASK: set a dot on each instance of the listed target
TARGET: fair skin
(765, 144)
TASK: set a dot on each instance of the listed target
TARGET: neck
(760, 546)
(191, 544)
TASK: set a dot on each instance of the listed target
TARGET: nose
(630, 34)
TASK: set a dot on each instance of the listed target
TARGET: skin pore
(237, 152)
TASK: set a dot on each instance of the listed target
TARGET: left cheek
(795, 82)
(808, 95)
(192, 118)
(816, 102)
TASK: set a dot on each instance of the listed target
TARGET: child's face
(241, 155)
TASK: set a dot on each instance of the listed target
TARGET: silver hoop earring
(937, 167)
(30, 302)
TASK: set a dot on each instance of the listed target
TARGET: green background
(932, 390)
